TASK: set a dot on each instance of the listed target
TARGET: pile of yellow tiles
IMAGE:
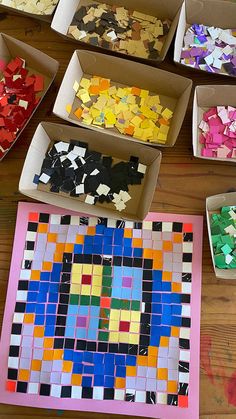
(131, 110)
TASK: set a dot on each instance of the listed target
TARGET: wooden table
(183, 186)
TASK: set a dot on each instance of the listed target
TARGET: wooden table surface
(183, 186)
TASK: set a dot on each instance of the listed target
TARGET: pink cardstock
(105, 406)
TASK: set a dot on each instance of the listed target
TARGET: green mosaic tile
(115, 303)
(107, 281)
(106, 292)
(85, 300)
(74, 299)
(104, 313)
(103, 336)
(95, 301)
(107, 270)
(135, 305)
(103, 324)
(125, 305)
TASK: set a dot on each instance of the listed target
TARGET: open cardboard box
(46, 18)
(213, 205)
(142, 195)
(161, 9)
(174, 90)
(205, 97)
(36, 61)
(217, 13)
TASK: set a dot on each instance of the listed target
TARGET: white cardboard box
(174, 90)
(141, 195)
(205, 97)
(162, 9)
(214, 204)
(36, 60)
(218, 13)
(46, 18)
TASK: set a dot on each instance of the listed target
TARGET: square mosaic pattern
(103, 310)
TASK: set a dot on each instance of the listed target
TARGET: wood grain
(183, 186)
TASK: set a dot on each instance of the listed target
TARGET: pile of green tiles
(223, 237)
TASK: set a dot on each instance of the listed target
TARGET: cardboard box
(36, 60)
(218, 13)
(142, 195)
(214, 204)
(174, 90)
(205, 97)
(46, 18)
(161, 9)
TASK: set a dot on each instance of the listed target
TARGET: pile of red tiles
(19, 96)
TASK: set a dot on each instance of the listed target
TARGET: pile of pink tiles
(218, 133)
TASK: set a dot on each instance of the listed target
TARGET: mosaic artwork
(102, 311)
